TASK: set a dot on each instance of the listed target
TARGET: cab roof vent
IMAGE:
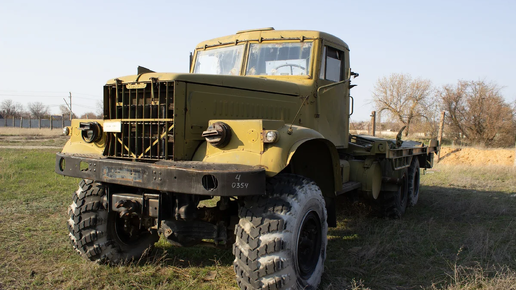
(257, 29)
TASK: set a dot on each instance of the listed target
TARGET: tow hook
(129, 208)
(130, 215)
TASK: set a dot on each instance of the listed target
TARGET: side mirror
(191, 59)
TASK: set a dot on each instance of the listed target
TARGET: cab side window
(331, 66)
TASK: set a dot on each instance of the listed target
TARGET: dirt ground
(13, 131)
(477, 156)
(23, 138)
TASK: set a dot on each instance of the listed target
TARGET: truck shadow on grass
(449, 237)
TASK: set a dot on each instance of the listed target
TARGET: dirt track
(477, 157)
(20, 138)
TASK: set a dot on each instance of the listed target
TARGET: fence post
(440, 136)
(21, 122)
(51, 125)
(39, 122)
(30, 122)
(373, 123)
(62, 120)
(13, 122)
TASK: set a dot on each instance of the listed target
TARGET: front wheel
(100, 235)
(281, 237)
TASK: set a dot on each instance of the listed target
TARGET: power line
(33, 96)
(46, 92)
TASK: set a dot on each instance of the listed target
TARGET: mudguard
(247, 146)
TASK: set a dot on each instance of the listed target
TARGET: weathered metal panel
(183, 177)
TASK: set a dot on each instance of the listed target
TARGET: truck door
(333, 104)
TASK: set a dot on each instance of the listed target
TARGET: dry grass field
(460, 236)
(13, 131)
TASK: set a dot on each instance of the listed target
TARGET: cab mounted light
(218, 134)
(91, 131)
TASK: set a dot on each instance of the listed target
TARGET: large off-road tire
(98, 235)
(394, 203)
(281, 237)
(413, 182)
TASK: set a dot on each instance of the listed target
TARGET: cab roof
(269, 33)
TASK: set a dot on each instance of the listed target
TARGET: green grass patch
(459, 236)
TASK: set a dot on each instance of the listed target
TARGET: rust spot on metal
(122, 174)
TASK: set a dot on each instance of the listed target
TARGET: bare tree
(38, 109)
(11, 109)
(429, 124)
(89, 115)
(100, 109)
(404, 99)
(66, 111)
(476, 111)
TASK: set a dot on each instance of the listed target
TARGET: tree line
(476, 112)
(38, 110)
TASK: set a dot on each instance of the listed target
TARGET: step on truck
(260, 126)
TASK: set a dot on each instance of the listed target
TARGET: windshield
(287, 58)
(220, 61)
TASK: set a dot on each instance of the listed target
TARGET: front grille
(146, 113)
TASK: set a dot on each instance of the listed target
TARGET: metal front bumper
(191, 177)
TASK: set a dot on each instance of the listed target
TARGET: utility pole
(71, 106)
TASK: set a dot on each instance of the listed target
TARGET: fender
(247, 147)
(76, 145)
(321, 145)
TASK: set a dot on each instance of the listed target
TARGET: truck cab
(314, 61)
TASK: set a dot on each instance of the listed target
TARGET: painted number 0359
(238, 184)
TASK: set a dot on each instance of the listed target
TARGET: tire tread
(259, 235)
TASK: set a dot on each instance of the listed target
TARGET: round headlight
(66, 131)
(270, 137)
(91, 132)
(218, 134)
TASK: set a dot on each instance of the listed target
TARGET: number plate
(113, 126)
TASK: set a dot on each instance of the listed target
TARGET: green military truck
(261, 126)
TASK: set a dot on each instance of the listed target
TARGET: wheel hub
(309, 244)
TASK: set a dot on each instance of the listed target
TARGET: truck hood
(240, 82)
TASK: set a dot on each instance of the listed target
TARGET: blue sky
(50, 48)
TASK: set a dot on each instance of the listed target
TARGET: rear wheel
(281, 237)
(103, 236)
(394, 203)
(413, 182)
